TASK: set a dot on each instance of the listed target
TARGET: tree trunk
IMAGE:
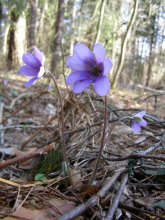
(20, 37)
(33, 23)
(4, 28)
(89, 35)
(58, 36)
(103, 4)
(79, 25)
(16, 39)
(73, 26)
(124, 44)
(150, 58)
(41, 16)
(11, 58)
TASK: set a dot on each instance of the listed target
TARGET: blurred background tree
(133, 32)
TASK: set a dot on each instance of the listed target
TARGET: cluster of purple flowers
(87, 68)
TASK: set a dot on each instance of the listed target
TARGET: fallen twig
(26, 157)
(93, 200)
(24, 105)
(17, 98)
(1, 125)
(116, 201)
(143, 154)
(138, 210)
(37, 132)
(24, 126)
(136, 156)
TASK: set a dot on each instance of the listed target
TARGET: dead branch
(37, 132)
(93, 200)
(116, 201)
(24, 105)
(138, 210)
(26, 157)
(17, 98)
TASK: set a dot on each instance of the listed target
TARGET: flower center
(97, 70)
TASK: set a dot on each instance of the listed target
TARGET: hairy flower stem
(102, 144)
(62, 128)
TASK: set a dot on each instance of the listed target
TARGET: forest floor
(34, 183)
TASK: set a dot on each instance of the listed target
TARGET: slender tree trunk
(16, 39)
(3, 25)
(4, 29)
(103, 4)
(11, 57)
(41, 21)
(33, 23)
(124, 44)
(150, 59)
(79, 26)
(89, 35)
(58, 36)
(73, 26)
(20, 37)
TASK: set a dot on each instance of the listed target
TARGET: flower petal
(84, 53)
(102, 86)
(80, 86)
(28, 71)
(31, 60)
(77, 65)
(99, 52)
(31, 82)
(77, 76)
(143, 123)
(136, 127)
(41, 72)
(39, 55)
(141, 114)
(107, 66)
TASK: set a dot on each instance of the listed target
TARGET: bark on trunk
(11, 58)
(58, 36)
(103, 4)
(33, 23)
(124, 44)
(41, 23)
(16, 40)
(151, 59)
(73, 26)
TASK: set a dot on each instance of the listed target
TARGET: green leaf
(160, 204)
(40, 177)
(160, 172)
(14, 93)
(65, 168)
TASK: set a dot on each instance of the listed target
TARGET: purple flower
(5, 82)
(34, 66)
(89, 68)
(139, 122)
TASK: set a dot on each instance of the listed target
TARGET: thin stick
(62, 118)
(93, 200)
(26, 197)
(133, 210)
(1, 125)
(102, 144)
(23, 106)
(37, 132)
(116, 201)
(62, 128)
(63, 66)
(26, 156)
